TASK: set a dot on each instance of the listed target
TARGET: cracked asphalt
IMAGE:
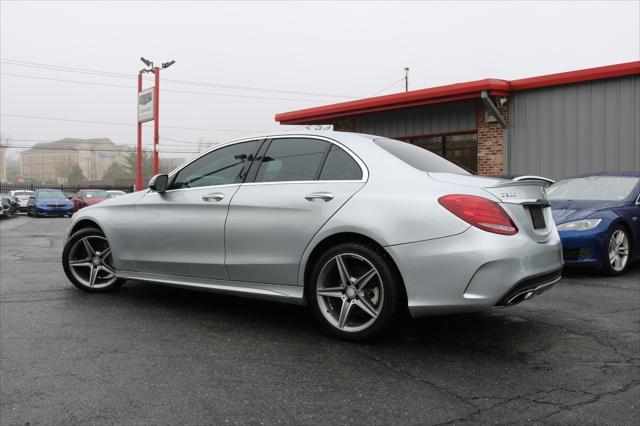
(158, 355)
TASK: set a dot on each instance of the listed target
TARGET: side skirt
(281, 293)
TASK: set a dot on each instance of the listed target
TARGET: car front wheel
(355, 291)
(617, 251)
(88, 262)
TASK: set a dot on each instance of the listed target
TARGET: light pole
(156, 117)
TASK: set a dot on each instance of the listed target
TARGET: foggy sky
(348, 49)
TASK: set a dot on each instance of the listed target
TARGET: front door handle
(325, 196)
(214, 196)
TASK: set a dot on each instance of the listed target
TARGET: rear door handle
(214, 196)
(325, 196)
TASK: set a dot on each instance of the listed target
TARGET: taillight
(480, 212)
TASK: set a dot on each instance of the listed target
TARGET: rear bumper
(474, 270)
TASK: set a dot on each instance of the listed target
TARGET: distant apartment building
(47, 161)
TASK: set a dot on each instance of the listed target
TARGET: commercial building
(47, 161)
(553, 125)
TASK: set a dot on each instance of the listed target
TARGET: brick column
(490, 141)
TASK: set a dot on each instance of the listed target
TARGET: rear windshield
(419, 158)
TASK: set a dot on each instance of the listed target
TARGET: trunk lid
(525, 201)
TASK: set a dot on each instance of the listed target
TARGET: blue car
(598, 218)
(49, 202)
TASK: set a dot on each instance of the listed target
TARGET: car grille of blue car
(56, 206)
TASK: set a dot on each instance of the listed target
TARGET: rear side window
(220, 167)
(340, 166)
(292, 159)
(419, 158)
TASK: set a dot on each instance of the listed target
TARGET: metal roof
(450, 93)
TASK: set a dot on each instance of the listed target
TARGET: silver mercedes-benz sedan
(359, 227)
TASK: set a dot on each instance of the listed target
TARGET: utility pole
(406, 79)
(139, 156)
(155, 117)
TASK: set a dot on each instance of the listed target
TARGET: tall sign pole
(156, 119)
(139, 156)
(149, 109)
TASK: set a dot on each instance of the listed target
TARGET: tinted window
(419, 158)
(220, 167)
(340, 166)
(291, 159)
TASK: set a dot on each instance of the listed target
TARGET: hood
(93, 200)
(570, 210)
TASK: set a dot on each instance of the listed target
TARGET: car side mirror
(159, 183)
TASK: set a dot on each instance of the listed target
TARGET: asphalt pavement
(150, 354)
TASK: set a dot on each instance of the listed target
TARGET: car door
(295, 185)
(181, 232)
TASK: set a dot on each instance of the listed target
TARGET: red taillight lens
(480, 212)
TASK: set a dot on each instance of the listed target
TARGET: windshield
(50, 195)
(419, 158)
(22, 193)
(605, 188)
(96, 194)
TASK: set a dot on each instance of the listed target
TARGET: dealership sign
(145, 105)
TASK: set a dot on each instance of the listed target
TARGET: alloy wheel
(350, 292)
(618, 250)
(91, 263)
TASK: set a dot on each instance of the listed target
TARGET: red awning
(451, 93)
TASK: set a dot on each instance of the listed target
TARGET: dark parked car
(598, 217)
(5, 206)
(12, 203)
(49, 202)
(89, 197)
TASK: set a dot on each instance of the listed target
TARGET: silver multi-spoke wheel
(350, 292)
(90, 262)
(618, 250)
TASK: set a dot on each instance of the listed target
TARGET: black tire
(83, 233)
(389, 279)
(35, 213)
(607, 268)
(28, 212)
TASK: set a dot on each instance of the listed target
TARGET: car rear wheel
(617, 251)
(88, 262)
(354, 291)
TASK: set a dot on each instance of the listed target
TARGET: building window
(461, 149)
